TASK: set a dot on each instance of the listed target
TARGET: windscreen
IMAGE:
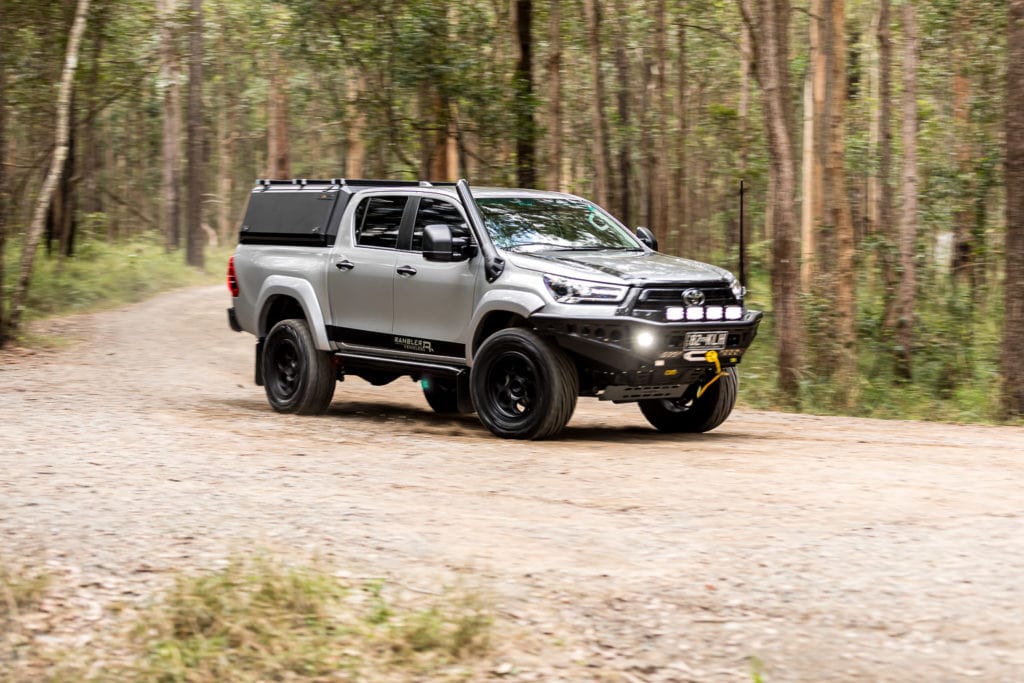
(552, 223)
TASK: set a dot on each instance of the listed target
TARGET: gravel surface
(796, 548)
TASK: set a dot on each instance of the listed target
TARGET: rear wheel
(441, 394)
(523, 387)
(692, 414)
(297, 377)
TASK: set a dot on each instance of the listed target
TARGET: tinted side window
(378, 220)
(437, 212)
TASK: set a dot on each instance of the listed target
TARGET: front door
(434, 300)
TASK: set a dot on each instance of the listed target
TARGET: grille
(652, 301)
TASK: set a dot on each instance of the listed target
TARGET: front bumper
(614, 354)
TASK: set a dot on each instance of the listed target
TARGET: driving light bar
(696, 313)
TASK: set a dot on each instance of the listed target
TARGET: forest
(880, 144)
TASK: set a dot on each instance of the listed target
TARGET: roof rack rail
(266, 183)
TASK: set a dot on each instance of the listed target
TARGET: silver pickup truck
(510, 303)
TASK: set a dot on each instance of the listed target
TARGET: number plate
(705, 340)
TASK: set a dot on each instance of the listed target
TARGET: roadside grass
(21, 589)
(105, 275)
(259, 620)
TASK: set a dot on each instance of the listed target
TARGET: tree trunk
(170, 181)
(680, 206)
(657, 183)
(355, 156)
(437, 136)
(592, 9)
(64, 205)
(963, 217)
(279, 164)
(195, 239)
(770, 31)
(225, 168)
(814, 204)
(3, 170)
(908, 220)
(839, 212)
(883, 202)
(623, 191)
(526, 130)
(89, 198)
(226, 119)
(1013, 326)
(808, 223)
(60, 152)
(554, 165)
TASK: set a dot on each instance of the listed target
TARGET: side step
(400, 365)
(416, 368)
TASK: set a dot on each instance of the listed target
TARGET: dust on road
(824, 548)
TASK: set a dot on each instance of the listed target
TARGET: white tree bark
(60, 153)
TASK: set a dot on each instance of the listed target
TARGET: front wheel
(692, 414)
(297, 377)
(523, 387)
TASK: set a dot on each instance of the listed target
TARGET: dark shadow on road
(405, 418)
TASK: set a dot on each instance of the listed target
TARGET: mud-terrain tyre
(695, 415)
(296, 376)
(442, 394)
(523, 387)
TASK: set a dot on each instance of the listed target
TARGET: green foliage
(103, 274)
(955, 361)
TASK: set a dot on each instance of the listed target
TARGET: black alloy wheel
(512, 385)
(297, 377)
(523, 386)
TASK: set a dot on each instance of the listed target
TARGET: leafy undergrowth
(103, 274)
(260, 620)
(955, 363)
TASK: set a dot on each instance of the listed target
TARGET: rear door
(362, 272)
(434, 301)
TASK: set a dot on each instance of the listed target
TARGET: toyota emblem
(693, 297)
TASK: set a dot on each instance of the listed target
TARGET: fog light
(694, 313)
(733, 312)
(645, 340)
(714, 312)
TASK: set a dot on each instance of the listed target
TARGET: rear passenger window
(378, 220)
(437, 212)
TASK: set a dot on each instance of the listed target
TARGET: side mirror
(440, 245)
(647, 237)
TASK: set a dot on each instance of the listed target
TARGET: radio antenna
(743, 245)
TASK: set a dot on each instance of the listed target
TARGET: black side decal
(395, 342)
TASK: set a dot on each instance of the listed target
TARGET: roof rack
(359, 182)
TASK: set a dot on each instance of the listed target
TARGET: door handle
(344, 264)
(405, 271)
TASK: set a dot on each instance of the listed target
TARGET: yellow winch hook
(711, 357)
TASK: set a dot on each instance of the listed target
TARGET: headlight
(738, 290)
(569, 291)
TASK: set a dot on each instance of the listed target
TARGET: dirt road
(826, 548)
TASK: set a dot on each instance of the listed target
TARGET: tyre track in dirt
(827, 548)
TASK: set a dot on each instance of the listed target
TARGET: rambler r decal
(395, 342)
(417, 345)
